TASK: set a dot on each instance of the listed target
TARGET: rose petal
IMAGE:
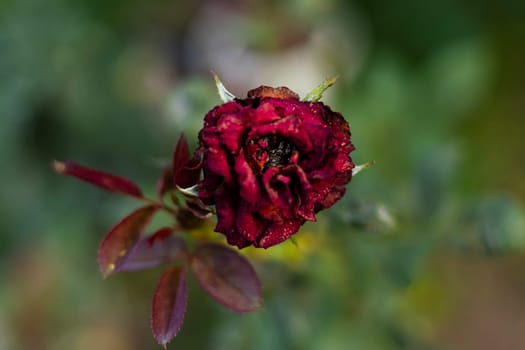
(169, 305)
(281, 92)
(248, 226)
(329, 196)
(98, 178)
(289, 188)
(227, 277)
(279, 232)
(288, 127)
(208, 187)
(306, 206)
(230, 128)
(218, 163)
(265, 113)
(226, 212)
(248, 182)
(212, 116)
(276, 186)
(117, 243)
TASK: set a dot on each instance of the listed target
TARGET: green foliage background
(426, 250)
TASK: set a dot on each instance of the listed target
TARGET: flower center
(269, 151)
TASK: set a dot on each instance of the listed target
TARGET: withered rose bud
(270, 163)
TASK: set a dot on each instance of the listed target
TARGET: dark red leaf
(227, 276)
(188, 175)
(169, 305)
(159, 248)
(160, 235)
(165, 183)
(186, 169)
(99, 178)
(181, 153)
(115, 246)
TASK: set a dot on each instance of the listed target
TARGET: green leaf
(316, 94)
(358, 168)
(190, 192)
(224, 94)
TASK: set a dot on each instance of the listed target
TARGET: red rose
(270, 163)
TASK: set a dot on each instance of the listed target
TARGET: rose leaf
(181, 154)
(358, 168)
(224, 94)
(116, 245)
(169, 305)
(159, 248)
(188, 175)
(227, 277)
(165, 184)
(98, 178)
(317, 93)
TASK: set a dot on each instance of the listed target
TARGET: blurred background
(426, 250)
